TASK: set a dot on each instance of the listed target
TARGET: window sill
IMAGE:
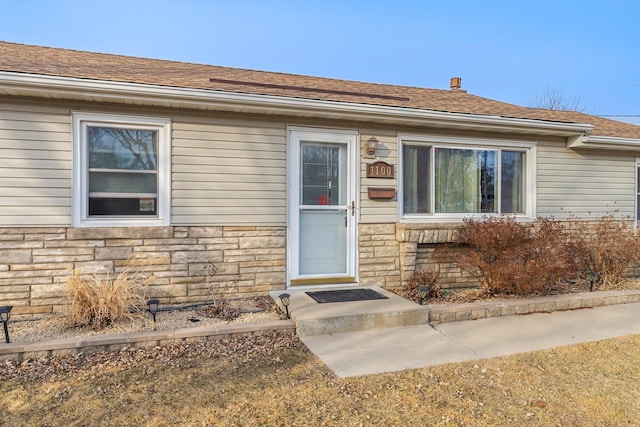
(458, 218)
(105, 223)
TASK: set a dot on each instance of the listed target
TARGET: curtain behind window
(512, 182)
(464, 181)
(416, 163)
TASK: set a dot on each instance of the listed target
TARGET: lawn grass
(580, 385)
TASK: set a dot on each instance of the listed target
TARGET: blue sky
(506, 50)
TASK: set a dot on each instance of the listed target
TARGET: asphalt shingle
(106, 67)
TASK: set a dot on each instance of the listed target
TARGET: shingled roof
(37, 60)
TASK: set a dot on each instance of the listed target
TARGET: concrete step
(313, 318)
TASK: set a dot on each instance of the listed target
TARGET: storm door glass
(323, 209)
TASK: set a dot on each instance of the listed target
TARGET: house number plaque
(380, 170)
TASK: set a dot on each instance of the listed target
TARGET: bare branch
(557, 99)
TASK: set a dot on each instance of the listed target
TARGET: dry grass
(581, 385)
(101, 300)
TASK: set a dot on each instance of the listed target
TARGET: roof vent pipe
(456, 83)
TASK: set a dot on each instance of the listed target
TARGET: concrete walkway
(393, 349)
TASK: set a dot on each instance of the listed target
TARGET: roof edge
(59, 87)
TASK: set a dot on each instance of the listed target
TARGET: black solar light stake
(5, 314)
(284, 298)
(593, 277)
(153, 307)
(422, 293)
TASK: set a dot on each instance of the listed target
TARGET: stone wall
(417, 246)
(35, 262)
(390, 253)
(379, 257)
(442, 260)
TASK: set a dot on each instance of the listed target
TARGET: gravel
(54, 326)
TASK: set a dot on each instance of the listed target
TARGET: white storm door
(322, 207)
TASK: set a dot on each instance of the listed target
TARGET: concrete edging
(546, 304)
(98, 343)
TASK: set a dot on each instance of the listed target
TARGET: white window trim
(80, 169)
(637, 208)
(473, 144)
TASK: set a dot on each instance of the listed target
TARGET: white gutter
(122, 92)
(603, 142)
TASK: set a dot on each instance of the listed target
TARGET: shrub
(518, 258)
(223, 309)
(610, 245)
(220, 291)
(426, 278)
(100, 300)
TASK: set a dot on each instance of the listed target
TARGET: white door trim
(349, 137)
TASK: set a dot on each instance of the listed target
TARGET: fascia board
(122, 92)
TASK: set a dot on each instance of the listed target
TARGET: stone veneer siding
(35, 262)
(379, 257)
(430, 257)
(418, 247)
(390, 253)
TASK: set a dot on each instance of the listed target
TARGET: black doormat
(344, 295)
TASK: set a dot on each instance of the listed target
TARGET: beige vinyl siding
(378, 211)
(585, 183)
(228, 171)
(231, 170)
(35, 165)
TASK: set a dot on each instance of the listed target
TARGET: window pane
(112, 148)
(321, 180)
(465, 181)
(122, 182)
(512, 182)
(122, 206)
(415, 166)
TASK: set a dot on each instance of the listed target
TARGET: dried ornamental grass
(100, 300)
